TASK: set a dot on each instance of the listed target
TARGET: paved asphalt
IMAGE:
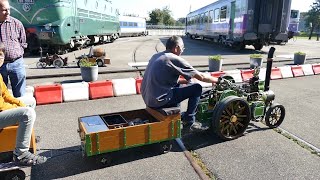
(260, 154)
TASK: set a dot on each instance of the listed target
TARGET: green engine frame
(218, 106)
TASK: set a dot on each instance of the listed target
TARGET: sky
(180, 8)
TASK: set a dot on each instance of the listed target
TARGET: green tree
(181, 21)
(313, 17)
(161, 17)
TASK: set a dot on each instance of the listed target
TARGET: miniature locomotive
(228, 107)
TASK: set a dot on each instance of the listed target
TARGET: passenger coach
(132, 26)
(241, 22)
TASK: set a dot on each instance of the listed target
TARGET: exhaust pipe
(269, 68)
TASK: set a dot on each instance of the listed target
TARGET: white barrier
(75, 91)
(203, 84)
(262, 74)
(122, 87)
(236, 74)
(307, 69)
(286, 72)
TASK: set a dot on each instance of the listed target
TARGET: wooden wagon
(106, 133)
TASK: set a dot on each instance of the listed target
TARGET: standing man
(161, 84)
(13, 36)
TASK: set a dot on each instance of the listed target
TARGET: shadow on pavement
(194, 141)
(67, 162)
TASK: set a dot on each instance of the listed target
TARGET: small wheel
(106, 160)
(275, 115)
(231, 117)
(57, 63)
(15, 175)
(100, 63)
(258, 46)
(165, 147)
(39, 65)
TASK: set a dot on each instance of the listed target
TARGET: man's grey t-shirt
(161, 75)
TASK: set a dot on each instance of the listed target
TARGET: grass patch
(198, 160)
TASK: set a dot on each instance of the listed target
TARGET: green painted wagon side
(156, 131)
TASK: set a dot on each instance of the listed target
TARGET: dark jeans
(180, 93)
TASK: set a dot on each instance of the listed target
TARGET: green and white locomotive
(60, 25)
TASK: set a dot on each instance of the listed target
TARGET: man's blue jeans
(191, 92)
(17, 74)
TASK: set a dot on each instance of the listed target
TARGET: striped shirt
(13, 35)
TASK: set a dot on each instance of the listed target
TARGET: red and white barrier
(75, 91)
(236, 74)
(247, 74)
(286, 72)
(56, 93)
(276, 73)
(316, 68)
(138, 85)
(262, 74)
(48, 94)
(307, 69)
(297, 71)
(100, 89)
(123, 87)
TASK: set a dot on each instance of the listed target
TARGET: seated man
(12, 112)
(161, 86)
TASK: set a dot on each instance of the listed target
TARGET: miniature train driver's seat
(8, 142)
(164, 114)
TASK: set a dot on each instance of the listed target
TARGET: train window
(223, 13)
(206, 17)
(216, 15)
(210, 16)
(294, 14)
(202, 18)
(135, 24)
(130, 23)
(125, 24)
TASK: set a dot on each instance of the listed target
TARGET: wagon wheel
(41, 64)
(231, 118)
(165, 147)
(258, 46)
(57, 63)
(275, 115)
(15, 175)
(100, 63)
(105, 160)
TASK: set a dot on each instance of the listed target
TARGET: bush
(215, 57)
(86, 63)
(255, 55)
(300, 53)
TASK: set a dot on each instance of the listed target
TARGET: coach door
(270, 15)
(232, 17)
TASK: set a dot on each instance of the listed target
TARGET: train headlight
(48, 26)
